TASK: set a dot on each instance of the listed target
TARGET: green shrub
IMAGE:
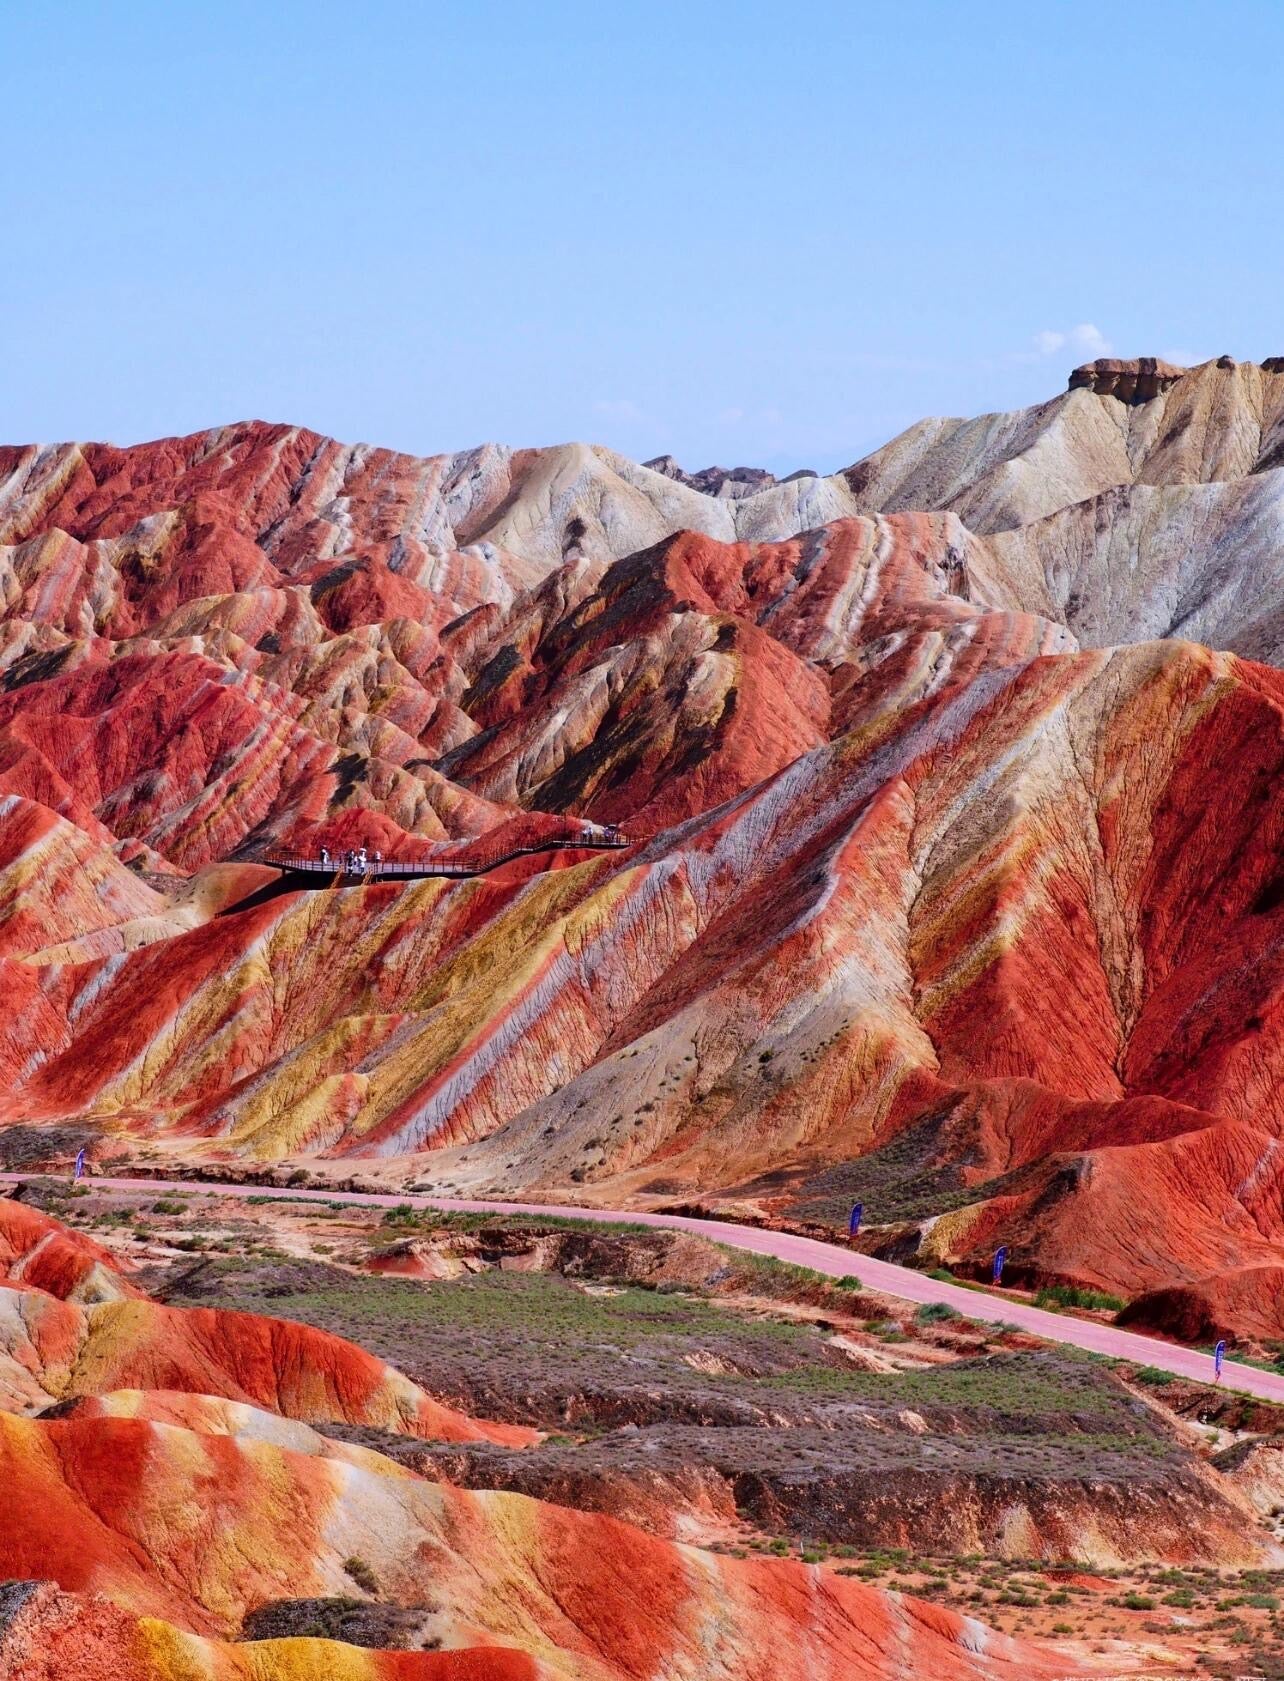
(1073, 1295)
(1153, 1375)
(935, 1313)
(362, 1574)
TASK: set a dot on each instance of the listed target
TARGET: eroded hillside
(951, 783)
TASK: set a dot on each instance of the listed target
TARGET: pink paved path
(829, 1258)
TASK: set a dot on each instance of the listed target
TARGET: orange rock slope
(198, 1529)
(46, 1635)
(929, 905)
(40, 1253)
(140, 1527)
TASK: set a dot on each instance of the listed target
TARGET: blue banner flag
(1219, 1354)
(1000, 1256)
(853, 1225)
(80, 1164)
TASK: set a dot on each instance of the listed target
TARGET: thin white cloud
(1091, 340)
(1086, 340)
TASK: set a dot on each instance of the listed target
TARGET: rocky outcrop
(733, 482)
(74, 1326)
(931, 1495)
(1140, 380)
(1242, 1299)
(295, 1371)
(1216, 423)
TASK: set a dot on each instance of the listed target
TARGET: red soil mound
(200, 1528)
(41, 1253)
(47, 1635)
(1246, 1300)
(288, 1368)
(122, 1341)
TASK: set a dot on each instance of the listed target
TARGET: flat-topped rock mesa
(1139, 380)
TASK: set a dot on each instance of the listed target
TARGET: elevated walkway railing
(344, 864)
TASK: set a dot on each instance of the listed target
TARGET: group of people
(356, 861)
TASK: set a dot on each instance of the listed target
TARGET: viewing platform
(355, 866)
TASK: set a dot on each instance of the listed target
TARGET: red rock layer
(118, 1517)
(697, 669)
(288, 1368)
(52, 1635)
(41, 1253)
(157, 1517)
(914, 875)
(996, 919)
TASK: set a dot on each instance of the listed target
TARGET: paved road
(828, 1258)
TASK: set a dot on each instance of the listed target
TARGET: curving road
(828, 1258)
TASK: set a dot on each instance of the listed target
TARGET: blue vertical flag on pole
(1219, 1354)
(80, 1164)
(853, 1225)
(1000, 1256)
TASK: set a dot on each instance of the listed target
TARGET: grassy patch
(1155, 1376)
(936, 1313)
(1057, 1296)
(542, 1322)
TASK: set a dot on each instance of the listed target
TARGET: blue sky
(743, 233)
